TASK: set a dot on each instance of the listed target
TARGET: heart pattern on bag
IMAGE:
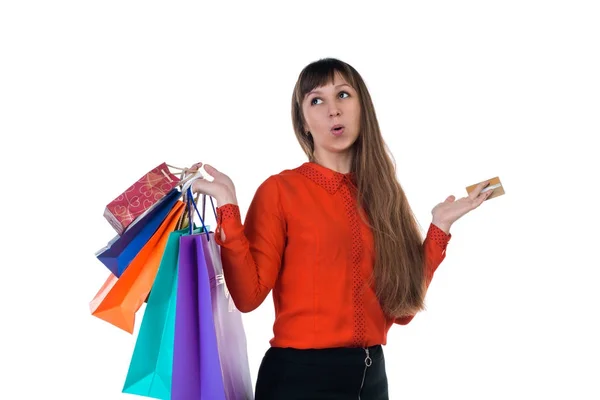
(142, 195)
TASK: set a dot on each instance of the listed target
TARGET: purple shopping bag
(196, 364)
(229, 328)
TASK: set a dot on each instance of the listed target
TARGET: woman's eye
(341, 95)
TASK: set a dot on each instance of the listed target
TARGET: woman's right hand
(221, 188)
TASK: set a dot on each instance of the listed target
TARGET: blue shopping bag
(119, 253)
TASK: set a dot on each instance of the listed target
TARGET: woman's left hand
(450, 210)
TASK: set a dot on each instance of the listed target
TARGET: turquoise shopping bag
(151, 367)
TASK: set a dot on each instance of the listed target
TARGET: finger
(195, 167)
(204, 187)
(450, 199)
(212, 171)
(192, 170)
(477, 191)
(219, 177)
(482, 197)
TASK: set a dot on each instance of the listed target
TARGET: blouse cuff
(439, 236)
(229, 219)
(227, 212)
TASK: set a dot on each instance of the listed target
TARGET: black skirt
(320, 374)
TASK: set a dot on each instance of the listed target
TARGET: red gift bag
(140, 197)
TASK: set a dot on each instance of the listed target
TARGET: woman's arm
(252, 252)
(434, 245)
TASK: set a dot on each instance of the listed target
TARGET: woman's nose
(334, 111)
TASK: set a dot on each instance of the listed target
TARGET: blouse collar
(325, 177)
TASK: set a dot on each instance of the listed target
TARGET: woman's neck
(339, 162)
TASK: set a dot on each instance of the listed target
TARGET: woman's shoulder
(288, 174)
(286, 179)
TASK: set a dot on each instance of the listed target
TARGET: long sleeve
(252, 253)
(435, 245)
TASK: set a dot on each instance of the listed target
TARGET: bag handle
(204, 206)
(193, 203)
(186, 183)
(184, 172)
(183, 218)
(177, 168)
(187, 190)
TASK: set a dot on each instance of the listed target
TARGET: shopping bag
(229, 328)
(119, 304)
(151, 368)
(140, 197)
(196, 364)
(231, 336)
(119, 253)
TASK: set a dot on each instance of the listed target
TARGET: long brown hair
(398, 276)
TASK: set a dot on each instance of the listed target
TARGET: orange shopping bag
(119, 299)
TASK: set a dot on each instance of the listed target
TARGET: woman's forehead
(335, 80)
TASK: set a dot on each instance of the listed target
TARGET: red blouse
(304, 239)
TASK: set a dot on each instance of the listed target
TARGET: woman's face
(332, 115)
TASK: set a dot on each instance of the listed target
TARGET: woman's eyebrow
(318, 91)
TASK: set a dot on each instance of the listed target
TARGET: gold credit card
(495, 185)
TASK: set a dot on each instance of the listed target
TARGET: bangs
(320, 73)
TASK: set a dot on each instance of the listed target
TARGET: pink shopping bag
(140, 197)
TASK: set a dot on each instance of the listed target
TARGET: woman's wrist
(444, 226)
(226, 199)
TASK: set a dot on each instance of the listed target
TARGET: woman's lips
(337, 130)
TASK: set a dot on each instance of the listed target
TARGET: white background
(94, 94)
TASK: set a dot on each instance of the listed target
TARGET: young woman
(335, 240)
